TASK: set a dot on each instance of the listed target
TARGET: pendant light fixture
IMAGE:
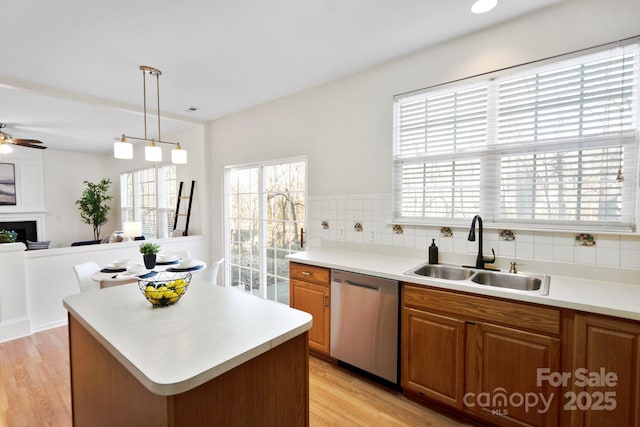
(178, 155)
(122, 149)
(152, 152)
(483, 6)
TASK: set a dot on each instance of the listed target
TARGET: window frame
(129, 193)
(490, 157)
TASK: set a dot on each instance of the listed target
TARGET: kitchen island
(216, 357)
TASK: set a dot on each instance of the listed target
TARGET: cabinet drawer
(521, 315)
(309, 273)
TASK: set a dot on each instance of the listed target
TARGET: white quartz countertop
(208, 332)
(610, 298)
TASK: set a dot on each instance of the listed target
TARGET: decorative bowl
(164, 288)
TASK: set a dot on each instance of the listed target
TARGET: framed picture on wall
(7, 184)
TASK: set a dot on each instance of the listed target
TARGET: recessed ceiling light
(482, 6)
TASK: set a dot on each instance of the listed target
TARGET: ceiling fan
(5, 138)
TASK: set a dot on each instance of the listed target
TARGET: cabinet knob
(306, 273)
(326, 301)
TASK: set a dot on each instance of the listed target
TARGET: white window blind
(552, 145)
(149, 196)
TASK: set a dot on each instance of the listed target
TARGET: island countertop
(208, 332)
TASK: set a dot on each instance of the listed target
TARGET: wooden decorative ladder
(178, 213)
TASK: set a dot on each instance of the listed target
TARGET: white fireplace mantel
(38, 217)
(29, 179)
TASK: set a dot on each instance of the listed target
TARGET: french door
(264, 216)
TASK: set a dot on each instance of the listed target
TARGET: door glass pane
(284, 191)
(265, 212)
(241, 229)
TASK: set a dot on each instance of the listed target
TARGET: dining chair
(83, 274)
(212, 274)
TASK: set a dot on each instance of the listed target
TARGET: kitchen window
(264, 216)
(150, 196)
(546, 145)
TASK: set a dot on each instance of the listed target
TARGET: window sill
(521, 227)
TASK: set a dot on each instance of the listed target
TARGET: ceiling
(70, 77)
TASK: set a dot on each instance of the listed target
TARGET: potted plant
(8, 236)
(93, 205)
(149, 251)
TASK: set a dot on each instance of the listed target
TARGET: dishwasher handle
(371, 283)
(362, 285)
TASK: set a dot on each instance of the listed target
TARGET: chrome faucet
(480, 259)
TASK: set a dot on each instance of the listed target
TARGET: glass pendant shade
(482, 6)
(122, 150)
(6, 148)
(178, 156)
(153, 153)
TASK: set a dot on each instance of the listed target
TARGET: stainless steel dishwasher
(364, 323)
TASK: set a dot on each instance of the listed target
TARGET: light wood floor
(34, 390)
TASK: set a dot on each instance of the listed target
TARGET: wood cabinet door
(314, 299)
(433, 356)
(605, 346)
(502, 375)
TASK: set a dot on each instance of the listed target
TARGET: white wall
(345, 127)
(14, 318)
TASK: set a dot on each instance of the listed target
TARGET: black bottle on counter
(433, 253)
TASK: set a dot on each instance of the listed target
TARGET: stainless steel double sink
(524, 282)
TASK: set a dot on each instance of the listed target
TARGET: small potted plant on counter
(149, 251)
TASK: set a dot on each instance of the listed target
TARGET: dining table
(110, 275)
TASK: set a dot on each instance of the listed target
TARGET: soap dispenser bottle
(433, 252)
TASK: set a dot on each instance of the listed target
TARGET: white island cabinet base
(216, 357)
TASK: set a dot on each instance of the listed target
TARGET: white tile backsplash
(563, 253)
(374, 211)
(524, 236)
(543, 238)
(609, 257)
(524, 249)
(630, 243)
(506, 248)
(608, 241)
(564, 239)
(445, 244)
(543, 251)
(585, 255)
(629, 258)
